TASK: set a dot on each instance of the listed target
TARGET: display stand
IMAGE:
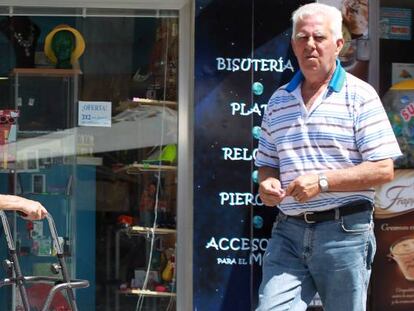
(139, 232)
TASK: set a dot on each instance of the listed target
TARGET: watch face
(323, 183)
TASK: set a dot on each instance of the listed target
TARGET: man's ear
(339, 45)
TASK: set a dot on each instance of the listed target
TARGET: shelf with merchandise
(162, 160)
(161, 277)
(139, 168)
(130, 104)
(136, 168)
(147, 232)
(147, 293)
(137, 230)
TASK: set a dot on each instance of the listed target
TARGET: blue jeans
(332, 258)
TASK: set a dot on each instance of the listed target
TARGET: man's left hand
(304, 188)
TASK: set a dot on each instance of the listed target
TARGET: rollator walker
(59, 283)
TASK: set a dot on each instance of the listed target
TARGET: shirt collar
(335, 84)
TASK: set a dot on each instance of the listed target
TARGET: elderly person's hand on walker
(29, 209)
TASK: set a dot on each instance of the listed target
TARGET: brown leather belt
(332, 214)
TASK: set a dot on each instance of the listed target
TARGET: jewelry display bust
(23, 35)
(63, 43)
(63, 46)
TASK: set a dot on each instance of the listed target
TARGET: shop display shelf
(51, 72)
(129, 104)
(139, 168)
(135, 230)
(147, 293)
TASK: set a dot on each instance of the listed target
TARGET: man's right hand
(271, 192)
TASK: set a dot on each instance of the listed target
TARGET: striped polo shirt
(345, 126)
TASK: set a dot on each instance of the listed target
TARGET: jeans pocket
(279, 217)
(357, 223)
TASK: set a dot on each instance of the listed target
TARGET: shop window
(100, 131)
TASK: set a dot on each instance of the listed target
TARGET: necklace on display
(26, 44)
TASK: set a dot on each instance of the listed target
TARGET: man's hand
(304, 187)
(271, 192)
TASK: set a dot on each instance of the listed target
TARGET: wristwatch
(323, 183)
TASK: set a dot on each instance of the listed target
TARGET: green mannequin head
(63, 43)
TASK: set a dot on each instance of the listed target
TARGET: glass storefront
(89, 100)
(97, 124)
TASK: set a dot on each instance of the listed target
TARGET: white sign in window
(94, 113)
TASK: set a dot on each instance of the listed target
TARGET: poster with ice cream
(393, 271)
(396, 197)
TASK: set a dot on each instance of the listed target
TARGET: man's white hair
(332, 13)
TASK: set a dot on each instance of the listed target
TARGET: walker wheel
(55, 268)
(7, 265)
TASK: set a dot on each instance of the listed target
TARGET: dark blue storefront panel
(242, 54)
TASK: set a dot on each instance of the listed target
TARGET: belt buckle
(305, 217)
